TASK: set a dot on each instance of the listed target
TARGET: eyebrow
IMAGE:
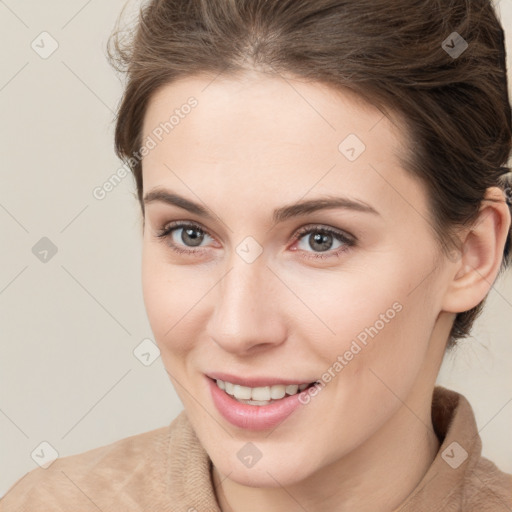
(279, 215)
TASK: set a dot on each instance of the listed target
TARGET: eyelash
(349, 242)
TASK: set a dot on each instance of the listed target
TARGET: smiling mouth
(263, 395)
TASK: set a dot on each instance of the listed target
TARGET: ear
(482, 253)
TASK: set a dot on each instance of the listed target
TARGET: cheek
(343, 305)
(372, 318)
(168, 296)
(178, 300)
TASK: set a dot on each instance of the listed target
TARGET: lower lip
(253, 417)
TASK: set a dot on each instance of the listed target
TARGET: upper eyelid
(323, 227)
(297, 233)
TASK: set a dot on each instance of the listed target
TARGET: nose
(247, 317)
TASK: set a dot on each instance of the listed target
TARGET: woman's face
(261, 292)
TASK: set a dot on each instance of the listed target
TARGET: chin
(267, 474)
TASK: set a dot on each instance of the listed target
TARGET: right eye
(180, 235)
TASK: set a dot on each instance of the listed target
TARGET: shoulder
(123, 475)
(459, 478)
(481, 485)
(485, 486)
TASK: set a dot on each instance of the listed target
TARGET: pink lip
(254, 382)
(252, 417)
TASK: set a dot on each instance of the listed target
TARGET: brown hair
(400, 55)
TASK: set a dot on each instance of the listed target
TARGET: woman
(325, 205)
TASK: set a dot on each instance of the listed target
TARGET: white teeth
(229, 388)
(277, 392)
(242, 392)
(292, 389)
(259, 395)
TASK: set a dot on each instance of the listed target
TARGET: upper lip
(256, 381)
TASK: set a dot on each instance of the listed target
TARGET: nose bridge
(244, 314)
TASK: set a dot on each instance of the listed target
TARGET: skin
(255, 143)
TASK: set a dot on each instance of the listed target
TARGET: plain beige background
(70, 325)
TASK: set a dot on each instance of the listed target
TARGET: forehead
(249, 130)
(299, 111)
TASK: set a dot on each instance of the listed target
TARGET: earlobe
(481, 255)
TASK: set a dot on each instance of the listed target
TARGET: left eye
(319, 241)
(322, 239)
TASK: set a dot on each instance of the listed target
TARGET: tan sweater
(167, 469)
